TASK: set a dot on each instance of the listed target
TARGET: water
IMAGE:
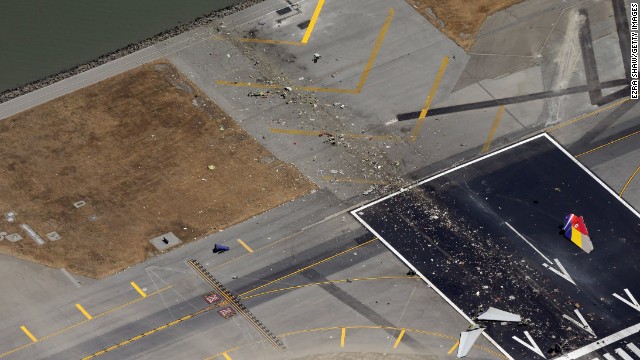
(39, 38)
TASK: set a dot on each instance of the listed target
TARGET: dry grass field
(460, 20)
(137, 148)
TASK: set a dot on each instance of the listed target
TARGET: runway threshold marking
(226, 356)
(312, 23)
(430, 96)
(399, 339)
(342, 336)
(245, 246)
(584, 116)
(629, 181)
(453, 348)
(137, 288)
(361, 82)
(56, 333)
(84, 312)
(305, 37)
(29, 334)
(492, 131)
(609, 143)
(308, 267)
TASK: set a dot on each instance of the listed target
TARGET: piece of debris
(79, 204)
(493, 314)
(10, 216)
(32, 234)
(219, 249)
(411, 273)
(288, 88)
(316, 57)
(467, 339)
(211, 167)
(53, 236)
(13, 237)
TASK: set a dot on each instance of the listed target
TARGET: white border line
(453, 305)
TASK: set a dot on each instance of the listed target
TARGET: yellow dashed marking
(29, 334)
(84, 312)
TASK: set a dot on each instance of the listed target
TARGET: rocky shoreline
(131, 48)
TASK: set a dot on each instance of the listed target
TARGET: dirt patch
(460, 20)
(149, 153)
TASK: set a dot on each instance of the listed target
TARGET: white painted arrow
(633, 303)
(531, 345)
(582, 324)
(562, 272)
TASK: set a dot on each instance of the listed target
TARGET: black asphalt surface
(452, 229)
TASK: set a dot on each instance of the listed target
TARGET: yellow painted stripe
(308, 267)
(297, 132)
(226, 356)
(430, 96)
(312, 23)
(584, 116)
(344, 334)
(629, 181)
(83, 311)
(453, 347)
(245, 246)
(29, 334)
(493, 129)
(135, 286)
(609, 143)
(376, 47)
(398, 339)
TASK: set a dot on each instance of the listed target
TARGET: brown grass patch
(460, 20)
(136, 148)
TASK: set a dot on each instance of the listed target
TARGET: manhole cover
(53, 236)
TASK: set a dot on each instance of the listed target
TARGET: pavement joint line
(399, 339)
(245, 246)
(430, 96)
(327, 282)
(56, 333)
(137, 288)
(29, 334)
(359, 181)
(492, 131)
(629, 181)
(455, 345)
(345, 135)
(84, 312)
(305, 37)
(361, 82)
(584, 116)
(308, 267)
(342, 337)
(609, 143)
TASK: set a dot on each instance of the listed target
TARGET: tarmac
(390, 101)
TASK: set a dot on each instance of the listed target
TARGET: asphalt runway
(487, 234)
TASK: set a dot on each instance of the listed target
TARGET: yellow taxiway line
(492, 131)
(629, 181)
(29, 334)
(430, 96)
(84, 312)
(312, 23)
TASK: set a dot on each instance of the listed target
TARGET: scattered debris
(211, 167)
(316, 57)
